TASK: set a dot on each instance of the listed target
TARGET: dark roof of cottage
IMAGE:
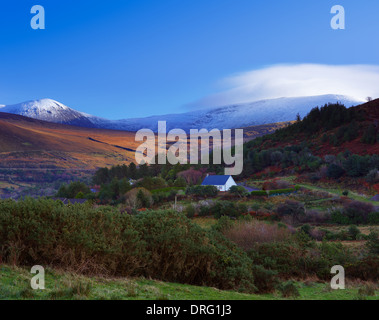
(215, 180)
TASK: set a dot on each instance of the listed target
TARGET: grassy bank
(15, 284)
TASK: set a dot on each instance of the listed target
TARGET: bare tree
(369, 99)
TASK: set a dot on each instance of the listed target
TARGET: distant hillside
(35, 144)
(29, 143)
(238, 115)
(348, 136)
(333, 129)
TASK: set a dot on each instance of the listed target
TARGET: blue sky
(131, 58)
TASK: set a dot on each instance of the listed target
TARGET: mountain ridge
(224, 117)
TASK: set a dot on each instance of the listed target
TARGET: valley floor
(15, 284)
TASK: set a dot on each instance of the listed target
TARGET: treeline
(301, 159)
(257, 159)
(326, 118)
(114, 182)
(349, 121)
(168, 172)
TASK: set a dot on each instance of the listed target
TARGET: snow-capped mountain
(49, 110)
(227, 117)
(238, 115)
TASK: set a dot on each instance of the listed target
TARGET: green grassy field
(15, 284)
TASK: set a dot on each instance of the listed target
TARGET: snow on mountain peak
(224, 117)
(48, 110)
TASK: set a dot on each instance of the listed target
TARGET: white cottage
(223, 183)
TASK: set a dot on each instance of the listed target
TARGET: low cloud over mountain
(289, 80)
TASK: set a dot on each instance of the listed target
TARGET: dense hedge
(219, 209)
(355, 212)
(258, 193)
(202, 191)
(163, 245)
(273, 192)
(294, 259)
(282, 191)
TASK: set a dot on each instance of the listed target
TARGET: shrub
(369, 136)
(300, 259)
(223, 224)
(306, 228)
(76, 237)
(264, 279)
(150, 183)
(190, 211)
(191, 176)
(365, 269)
(180, 182)
(373, 218)
(219, 209)
(292, 208)
(367, 290)
(335, 171)
(280, 191)
(167, 190)
(289, 289)
(317, 234)
(372, 243)
(354, 232)
(163, 245)
(238, 190)
(203, 191)
(80, 195)
(314, 216)
(373, 176)
(138, 198)
(358, 212)
(276, 185)
(258, 193)
(143, 199)
(246, 234)
(72, 190)
(338, 217)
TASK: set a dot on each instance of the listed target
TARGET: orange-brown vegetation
(29, 143)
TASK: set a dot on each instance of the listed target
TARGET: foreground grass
(15, 284)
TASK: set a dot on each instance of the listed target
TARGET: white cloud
(357, 81)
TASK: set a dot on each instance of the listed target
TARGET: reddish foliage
(276, 184)
(247, 234)
(263, 215)
(191, 176)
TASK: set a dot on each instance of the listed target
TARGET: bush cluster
(202, 191)
(219, 209)
(355, 212)
(163, 245)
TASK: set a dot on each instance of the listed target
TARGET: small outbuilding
(222, 183)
